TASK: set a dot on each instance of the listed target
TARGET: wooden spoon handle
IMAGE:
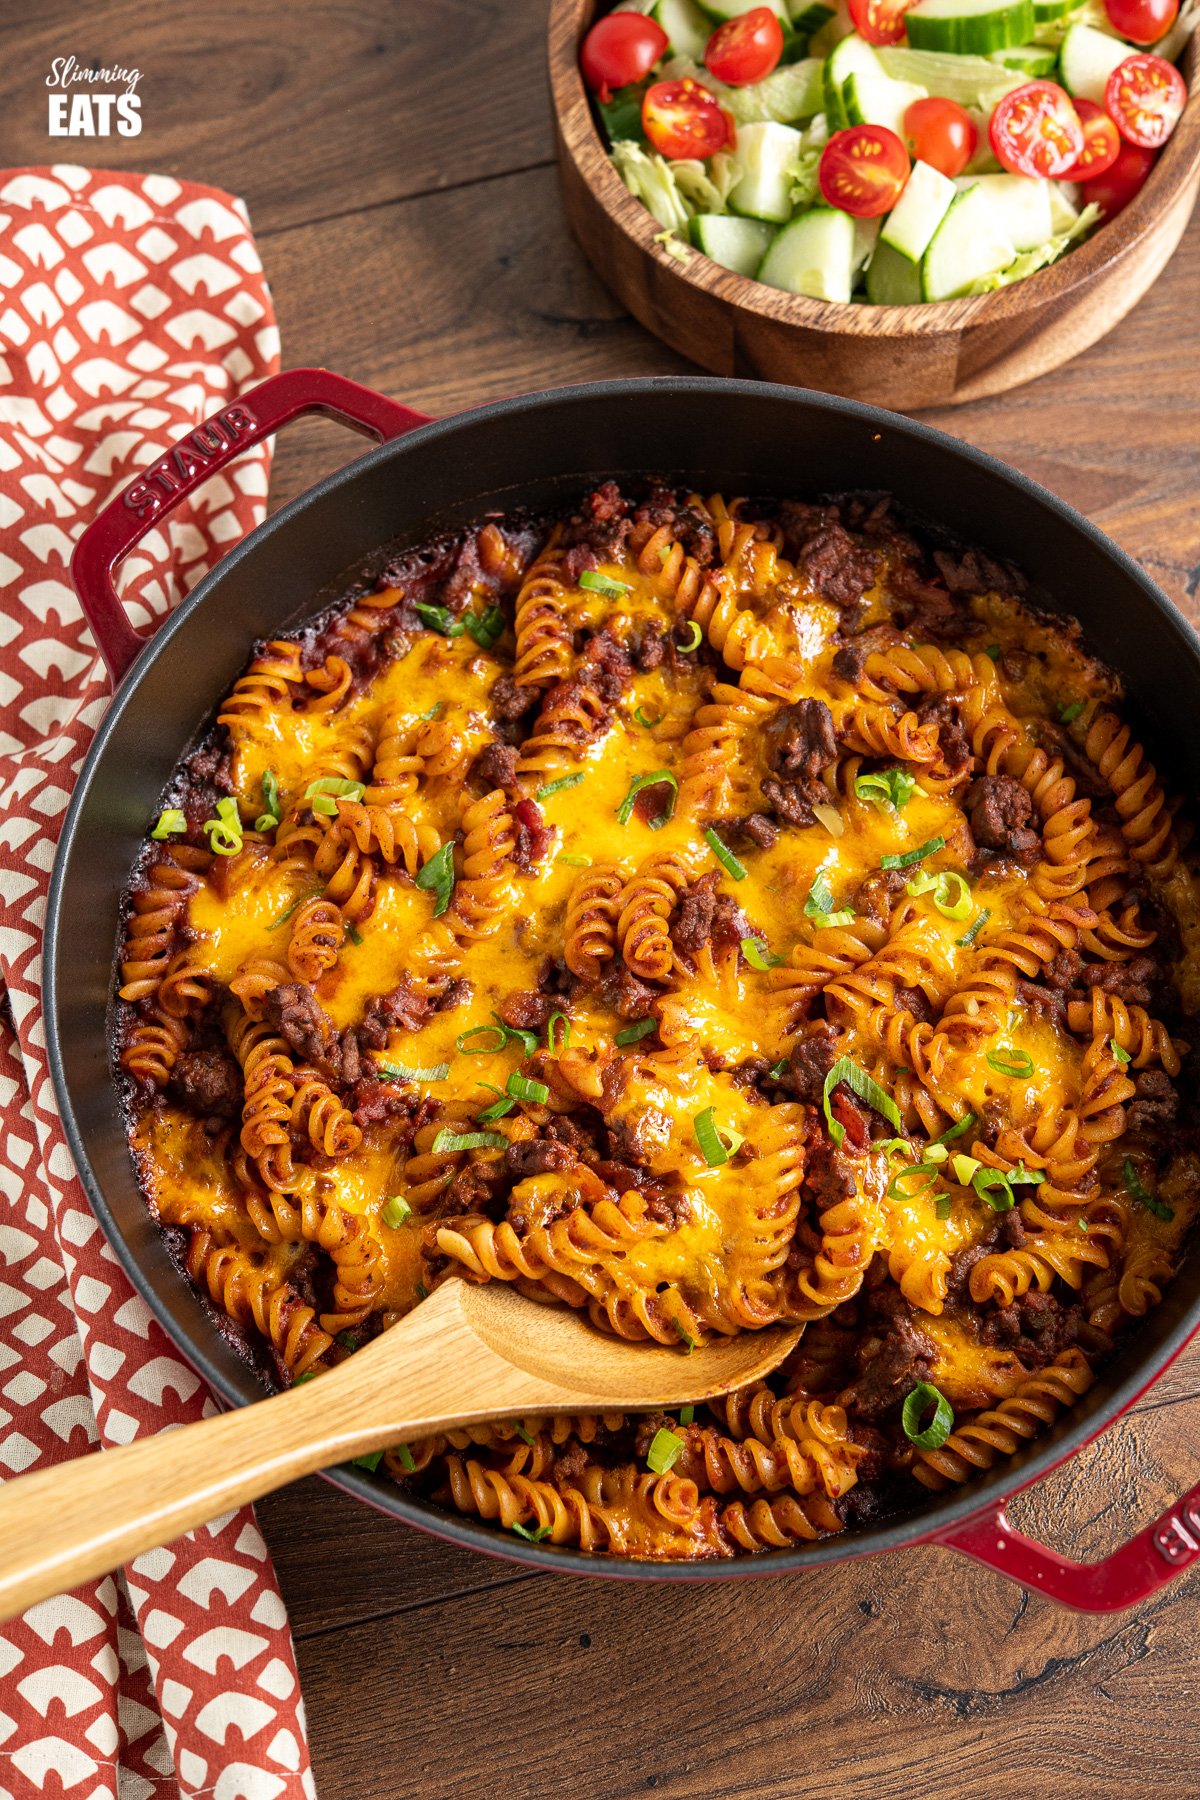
(64, 1525)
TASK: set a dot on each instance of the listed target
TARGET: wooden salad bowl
(905, 357)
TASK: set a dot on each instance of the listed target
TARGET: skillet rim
(898, 1531)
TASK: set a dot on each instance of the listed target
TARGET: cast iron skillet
(538, 450)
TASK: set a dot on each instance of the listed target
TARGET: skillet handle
(274, 402)
(1158, 1553)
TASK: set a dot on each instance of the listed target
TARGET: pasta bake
(702, 913)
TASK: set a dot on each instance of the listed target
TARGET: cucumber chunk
(1063, 210)
(1045, 12)
(891, 279)
(688, 29)
(969, 27)
(971, 80)
(852, 56)
(737, 244)
(766, 155)
(970, 242)
(1033, 61)
(808, 16)
(1021, 204)
(878, 100)
(927, 198)
(1087, 59)
(720, 10)
(792, 91)
(814, 255)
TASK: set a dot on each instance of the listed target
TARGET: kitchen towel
(131, 307)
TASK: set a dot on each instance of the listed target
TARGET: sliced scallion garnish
(555, 1044)
(637, 786)
(888, 789)
(1068, 714)
(646, 723)
(666, 1448)
(896, 1192)
(396, 1211)
(574, 862)
(285, 915)
(405, 1456)
(521, 1087)
(370, 1461)
(169, 822)
(759, 955)
(485, 627)
(973, 929)
(498, 1033)
(438, 618)
(724, 855)
(632, 1033)
(1139, 1192)
(819, 905)
(905, 859)
(437, 877)
(1016, 1064)
(400, 1072)
(528, 1040)
(531, 1537)
(224, 833)
(556, 787)
(951, 895)
(687, 1415)
(596, 583)
(447, 1142)
(916, 1404)
(499, 1109)
(696, 637)
(865, 1087)
(323, 794)
(1121, 1055)
(272, 811)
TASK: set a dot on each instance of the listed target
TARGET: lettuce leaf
(1030, 261)
(650, 179)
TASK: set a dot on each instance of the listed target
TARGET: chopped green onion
(1017, 1064)
(907, 858)
(697, 637)
(405, 1456)
(644, 722)
(951, 895)
(964, 1168)
(994, 1186)
(777, 1069)
(574, 862)
(993, 650)
(526, 1436)
(285, 915)
(335, 784)
(224, 833)
(889, 789)
(272, 811)
(528, 1040)
(687, 1415)
(499, 1109)
(399, 1072)
(421, 1291)
(1082, 1224)
(438, 618)
(463, 1044)
(437, 876)
(354, 934)
(1121, 1055)
(713, 1146)
(896, 1192)
(448, 1141)
(941, 1207)
(829, 817)
(558, 1018)
(865, 1087)
(595, 583)
(637, 786)
(632, 1033)
(1159, 1207)
(370, 1461)
(396, 1211)
(308, 1375)
(522, 1088)
(922, 1397)
(964, 1124)
(1031, 1177)
(1068, 714)
(685, 1337)
(973, 930)
(169, 821)
(554, 787)
(433, 712)
(531, 1537)
(485, 627)
(666, 1448)
(759, 955)
(819, 903)
(724, 855)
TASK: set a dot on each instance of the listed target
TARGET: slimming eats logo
(87, 103)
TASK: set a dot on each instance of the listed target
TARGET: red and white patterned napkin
(131, 306)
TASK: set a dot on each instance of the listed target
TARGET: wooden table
(396, 160)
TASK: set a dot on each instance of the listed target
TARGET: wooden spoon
(467, 1353)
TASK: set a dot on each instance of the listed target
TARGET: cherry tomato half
(1118, 184)
(1145, 96)
(746, 48)
(620, 48)
(681, 118)
(1101, 142)
(863, 170)
(1142, 21)
(1035, 130)
(941, 133)
(879, 21)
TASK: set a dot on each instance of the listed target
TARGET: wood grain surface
(405, 203)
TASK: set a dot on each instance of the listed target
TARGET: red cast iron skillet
(539, 450)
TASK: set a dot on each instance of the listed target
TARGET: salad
(885, 150)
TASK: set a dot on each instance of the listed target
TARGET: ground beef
(554, 977)
(806, 741)
(692, 529)
(974, 572)
(606, 668)
(1038, 1327)
(849, 662)
(1000, 813)
(536, 1156)
(958, 1279)
(208, 1082)
(914, 1001)
(1157, 1102)
(600, 527)
(569, 1465)
(649, 651)
(810, 1062)
(627, 996)
(953, 742)
(400, 1010)
(1043, 1002)
(1135, 982)
(792, 801)
(380, 1102)
(702, 915)
(300, 1019)
(466, 575)
(877, 893)
(510, 702)
(829, 1175)
(753, 828)
(891, 1364)
(494, 767)
(526, 1011)
(839, 569)
(533, 839)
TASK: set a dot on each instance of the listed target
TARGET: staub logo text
(88, 101)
